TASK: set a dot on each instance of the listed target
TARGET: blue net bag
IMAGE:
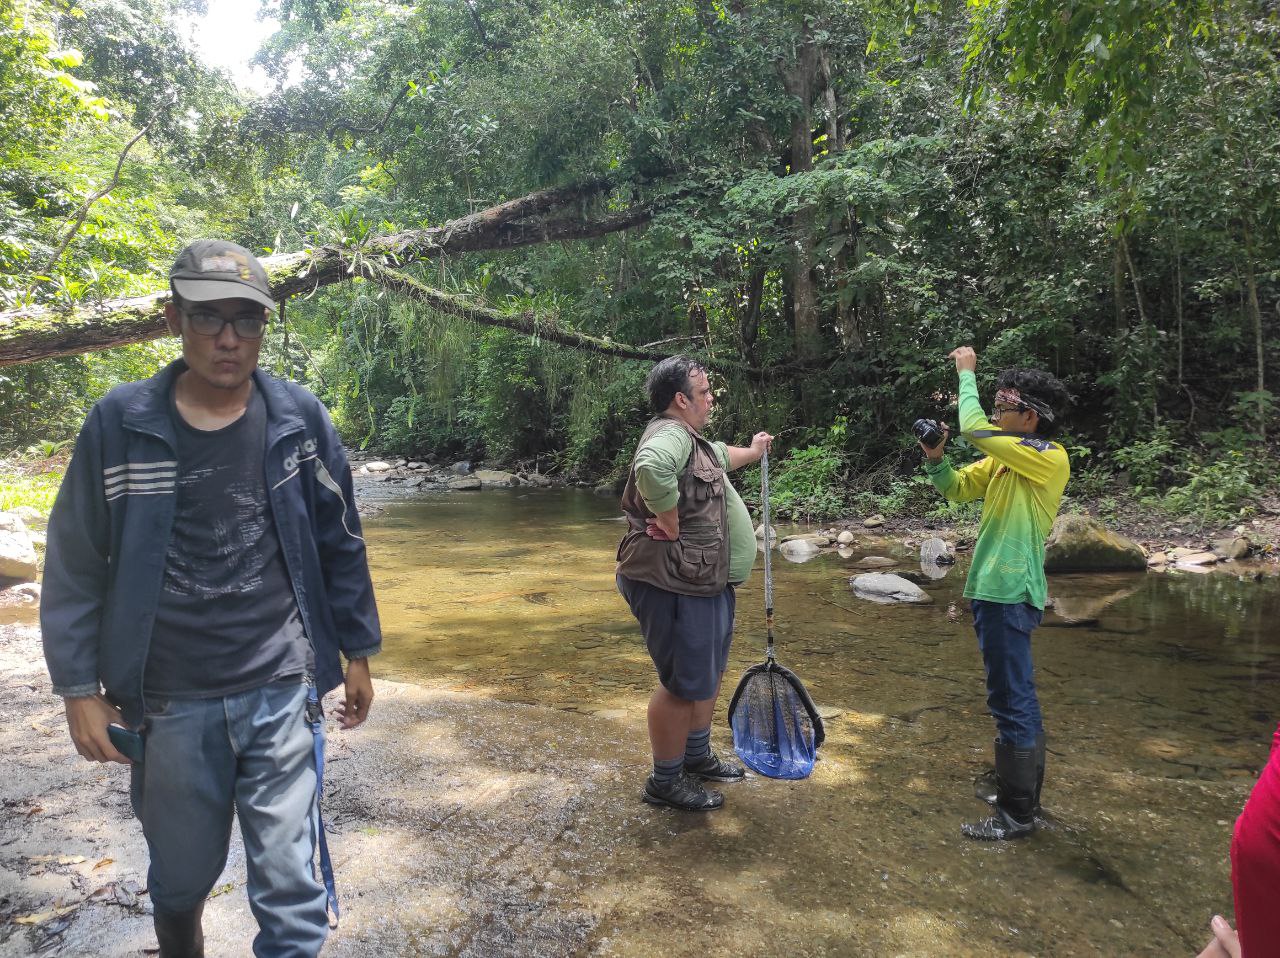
(776, 728)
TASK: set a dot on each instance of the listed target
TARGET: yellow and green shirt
(1021, 481)
(658, 465)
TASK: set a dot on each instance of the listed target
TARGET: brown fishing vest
(698, 562)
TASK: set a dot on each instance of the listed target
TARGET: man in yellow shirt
(1020, 481)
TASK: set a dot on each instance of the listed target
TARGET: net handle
(768, 552)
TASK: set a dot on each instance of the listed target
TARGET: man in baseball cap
(177, 608)
(215, 269)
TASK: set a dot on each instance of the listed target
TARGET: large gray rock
(378, 466)
(30, 515)
(1080, 543)
(1238, 547)
(537, 479)
(875, 562)
(17, 554)
(937, 551)
(887, 587)
(465, 484)
(798, 550)
(495, 477)
(460, 468)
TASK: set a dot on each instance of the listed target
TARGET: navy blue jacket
(111, 523)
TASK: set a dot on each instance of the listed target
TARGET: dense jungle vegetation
(821, 197)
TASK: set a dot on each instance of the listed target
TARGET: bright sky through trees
(228, 35)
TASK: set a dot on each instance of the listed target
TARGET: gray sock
(667, 769)
(697, 746)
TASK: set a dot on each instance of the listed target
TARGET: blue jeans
(1004, 637)
(249, 753)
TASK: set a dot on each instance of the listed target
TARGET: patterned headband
(1013, 397)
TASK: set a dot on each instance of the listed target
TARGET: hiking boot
(711, 767)
(681, 792)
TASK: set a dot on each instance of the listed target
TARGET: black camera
(929, 432)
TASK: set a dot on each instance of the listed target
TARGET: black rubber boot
(1014, 812)
(1040, 754)
(984, 786)
(179, 932)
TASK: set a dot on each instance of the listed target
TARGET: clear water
(1159, 693)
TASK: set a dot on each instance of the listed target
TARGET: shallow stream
(1160, 693)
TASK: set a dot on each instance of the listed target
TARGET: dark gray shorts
(688, 636)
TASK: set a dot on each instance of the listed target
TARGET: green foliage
(1150, 462)
(808, 483)
(1218, 492)
(31, 485)
(1110, 219)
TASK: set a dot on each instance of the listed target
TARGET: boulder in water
(465, 484)
(937, 551)
(799, 550)
(871, 522)
(378, 466)
(1080, 543)
(1236, 548)
(887, 587)
(875, 562)
(845, 538)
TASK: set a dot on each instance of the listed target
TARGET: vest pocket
(693, 557)
(709, 484)
(693, 564)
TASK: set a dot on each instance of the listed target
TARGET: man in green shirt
(1021, 481)
(689, 542)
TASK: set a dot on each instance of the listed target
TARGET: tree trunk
(800, 82)
(1255, 313)
(27, 335)
(1117, 286)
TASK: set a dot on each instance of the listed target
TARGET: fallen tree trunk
(529, 322)
(27, 335)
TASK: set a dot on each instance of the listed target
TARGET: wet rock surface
(887, 587)
(1080, 543)
(18, 560)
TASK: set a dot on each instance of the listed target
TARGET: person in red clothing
(1255, 873)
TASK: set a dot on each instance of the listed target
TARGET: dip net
(776, 727)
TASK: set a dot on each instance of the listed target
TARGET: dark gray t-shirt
(227, 619)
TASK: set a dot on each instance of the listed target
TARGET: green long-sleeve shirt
(1021, 481)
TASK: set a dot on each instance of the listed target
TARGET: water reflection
(1160, 696)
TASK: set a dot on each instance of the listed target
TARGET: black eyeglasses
(248, 325)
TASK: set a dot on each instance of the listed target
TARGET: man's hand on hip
(358, 695)
(87, 719)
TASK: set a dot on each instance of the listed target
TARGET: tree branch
(528, 322)
(34, 333)
(88, 203)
